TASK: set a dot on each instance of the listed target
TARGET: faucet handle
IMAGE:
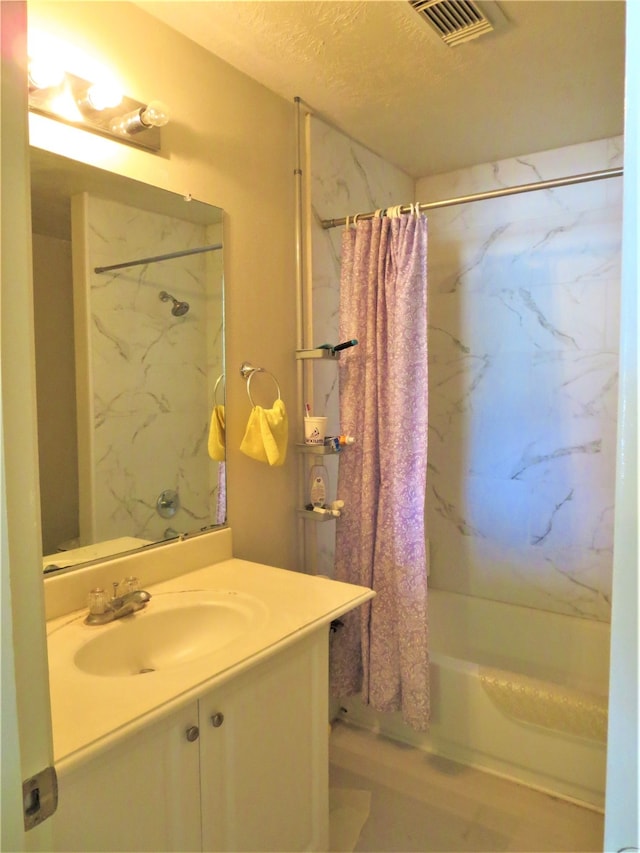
(97, 601)
(130, 584)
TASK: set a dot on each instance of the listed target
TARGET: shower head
(178, 308)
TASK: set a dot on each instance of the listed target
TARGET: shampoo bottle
(318, 479)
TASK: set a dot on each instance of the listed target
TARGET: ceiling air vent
(455, 21)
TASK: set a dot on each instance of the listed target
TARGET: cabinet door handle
(217, 720)
(193, 733)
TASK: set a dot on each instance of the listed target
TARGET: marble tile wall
(523, 342)
(151, 373)
(345, 178)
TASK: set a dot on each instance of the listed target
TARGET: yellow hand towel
(217, 441)
(267, 433)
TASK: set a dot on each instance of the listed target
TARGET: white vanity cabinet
(264, 754)
(221, 749)
(243, 768)
(141, 794)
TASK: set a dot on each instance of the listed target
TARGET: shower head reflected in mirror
(178, 308)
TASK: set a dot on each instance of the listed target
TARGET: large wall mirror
(129, 337)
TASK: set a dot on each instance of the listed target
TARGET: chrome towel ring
(248, 371)
(220, 381)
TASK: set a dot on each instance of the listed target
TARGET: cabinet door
(264, 755)
(143, 794)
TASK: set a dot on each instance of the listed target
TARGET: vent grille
(455, 21)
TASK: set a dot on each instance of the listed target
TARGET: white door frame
(27, 745)
(621, 804)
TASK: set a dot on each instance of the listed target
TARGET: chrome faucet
(103, 610)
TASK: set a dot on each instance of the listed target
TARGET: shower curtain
(381, 649)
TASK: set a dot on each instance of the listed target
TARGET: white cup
(314, 430)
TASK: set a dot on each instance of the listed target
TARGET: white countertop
(90, 711)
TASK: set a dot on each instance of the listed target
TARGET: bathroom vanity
(200, 722)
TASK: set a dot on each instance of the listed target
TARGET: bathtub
(514, 691)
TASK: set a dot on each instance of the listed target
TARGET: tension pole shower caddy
(304, 304)
(305, 355)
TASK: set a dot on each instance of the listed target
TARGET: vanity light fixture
(103, 95)
(155, 114)
(99, 107)
(44, 74)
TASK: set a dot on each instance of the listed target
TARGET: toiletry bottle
(333, 443)
(318, 479)
(337, 442)
(346, 439)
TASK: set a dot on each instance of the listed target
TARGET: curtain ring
(346, 223)
(250, 377)
(355, 218)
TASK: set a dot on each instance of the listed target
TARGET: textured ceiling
(553, 75)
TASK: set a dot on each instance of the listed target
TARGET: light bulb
(103, 95)
(45, 73)
(155, 114)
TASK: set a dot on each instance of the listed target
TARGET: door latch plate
(39, 797)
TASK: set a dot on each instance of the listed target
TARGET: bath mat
(348, 813)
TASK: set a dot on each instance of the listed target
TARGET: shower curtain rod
(504, 191)
(157, 258)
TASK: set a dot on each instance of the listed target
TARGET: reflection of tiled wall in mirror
(150, 392)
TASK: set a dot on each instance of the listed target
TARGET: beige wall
(230, 142)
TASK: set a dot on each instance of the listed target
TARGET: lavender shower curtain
(380, 540)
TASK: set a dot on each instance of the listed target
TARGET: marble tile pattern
(523, 323)
(152, 373)
(345, 178)
(523, 341)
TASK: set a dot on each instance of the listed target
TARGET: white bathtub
(515, 691)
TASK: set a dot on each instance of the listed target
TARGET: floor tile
(422, 802)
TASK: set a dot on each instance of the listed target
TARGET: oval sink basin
(168, 635)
